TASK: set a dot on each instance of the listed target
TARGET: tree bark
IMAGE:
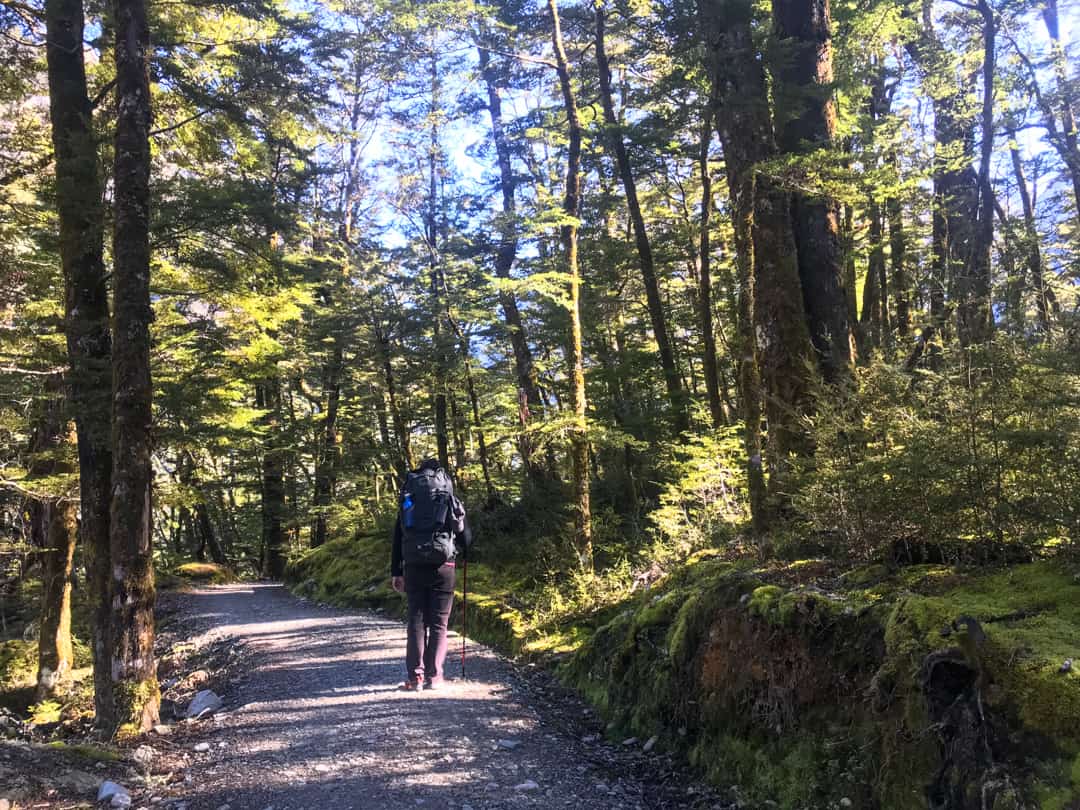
(704, 302)
(268, 398)
(86, 312)
(872, 318)
(955, 184)
(775, 342)
(404, 461)
(579, 438)
(134, 675)
(326, 468)
(673, 381)
(804, 82)
(1044, 297)
(57, 517)
(974, 313)
(897, 259)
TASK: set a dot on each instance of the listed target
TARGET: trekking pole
(464, 607)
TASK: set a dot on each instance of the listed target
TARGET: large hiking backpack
(431, 517)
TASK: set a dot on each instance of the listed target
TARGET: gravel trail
(317, 721)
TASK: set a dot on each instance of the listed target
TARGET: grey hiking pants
(430, 592)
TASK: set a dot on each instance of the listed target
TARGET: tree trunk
(672, 379)
(134, 675)
(529, 401)
(58, 535)
(954, 181)
(974, 315)
(804, 82)
(326, 468)
(268, 398)
(209, 534)
(897, 258)
(850, 286)
(579, 438)
(86, 312)
(404, 461)
(704, 302)
(776, 347)
(871, 319)
(1033, 253)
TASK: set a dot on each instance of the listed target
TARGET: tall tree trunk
(579, 435)
(955, 184)
(974, 314)
(704, 297)
(850, 286)
(326, 468)
(872, 318)
(404, 461)
(86, 312)
(804, 81)
(1033, 254)
(59, 532)
(897, 259)
(672, 379)
(135, 687)
(775, 345)
(209, 534)
(529, 401)
(268, 398)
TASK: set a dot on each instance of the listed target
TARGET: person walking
(431, 532)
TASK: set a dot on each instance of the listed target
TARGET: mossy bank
(923, 687)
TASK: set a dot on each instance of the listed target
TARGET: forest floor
(315, 720)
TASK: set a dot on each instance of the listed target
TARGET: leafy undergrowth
(804, 686)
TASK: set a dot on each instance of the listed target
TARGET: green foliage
(704, 500)
(980, 455)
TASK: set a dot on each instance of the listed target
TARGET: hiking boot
(433, 683)
(410, 686)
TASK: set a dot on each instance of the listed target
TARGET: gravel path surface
(318, 722)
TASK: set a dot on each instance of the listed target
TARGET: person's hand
(398, 584)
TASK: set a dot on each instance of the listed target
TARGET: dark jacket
(462, 541)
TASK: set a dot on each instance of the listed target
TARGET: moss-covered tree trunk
(133, 670)
(579, 432)
(775, 347)
(806, 118)
(86, 310)
(268, 397)
(56, 515)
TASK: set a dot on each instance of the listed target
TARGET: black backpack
(431, 517)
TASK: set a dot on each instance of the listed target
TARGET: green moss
(96, 753)
(209, 573)
(765, 602)
(136, 705)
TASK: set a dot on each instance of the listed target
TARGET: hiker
(430, 534)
